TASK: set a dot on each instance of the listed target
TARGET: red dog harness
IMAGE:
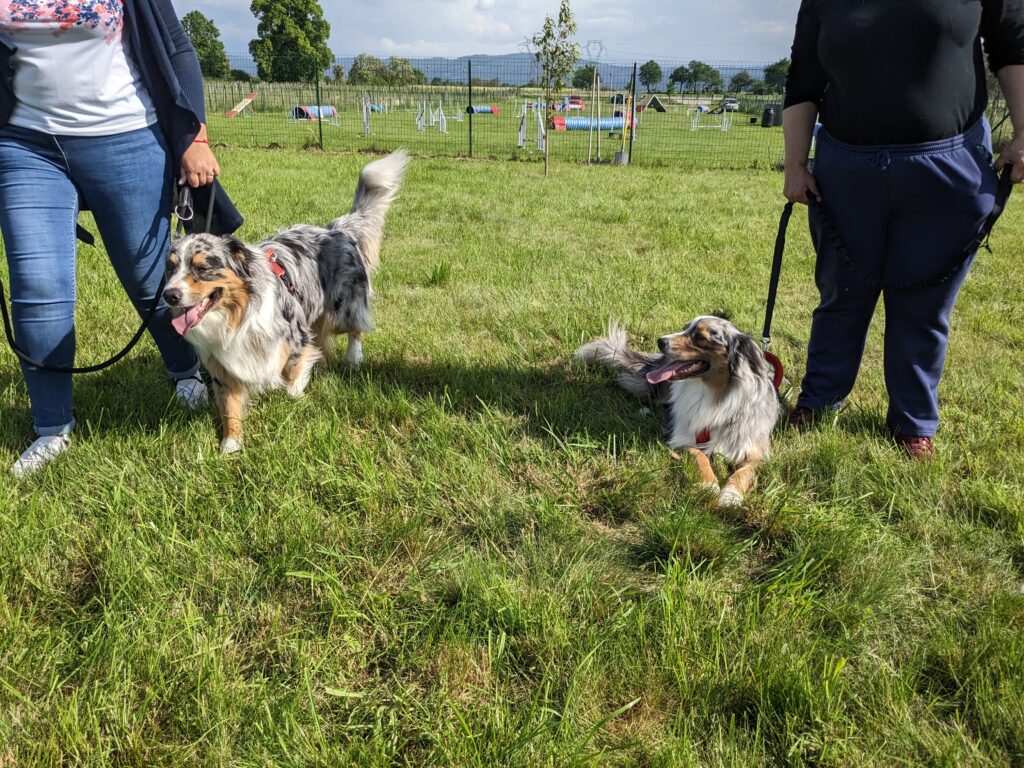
(281, 272)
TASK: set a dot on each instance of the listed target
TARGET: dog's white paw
(354, 353)
(711, 488)
(730, 497)
(230, 445)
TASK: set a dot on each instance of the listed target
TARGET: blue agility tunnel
(313, 112)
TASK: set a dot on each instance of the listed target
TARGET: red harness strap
(703, 437)
(278, 270)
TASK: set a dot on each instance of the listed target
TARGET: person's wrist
(793, 166)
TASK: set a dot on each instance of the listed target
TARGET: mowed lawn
(475, 552)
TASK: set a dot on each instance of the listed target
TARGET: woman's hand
(198, 165)
(798, 182)
(1013, 154)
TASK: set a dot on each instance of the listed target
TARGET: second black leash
(184, 202)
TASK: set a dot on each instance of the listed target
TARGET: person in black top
(904, 177)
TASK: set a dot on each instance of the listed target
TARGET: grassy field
(474, 552)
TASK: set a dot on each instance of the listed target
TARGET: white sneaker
(192, 392)
(39, 454)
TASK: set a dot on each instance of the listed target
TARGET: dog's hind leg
(324, 332)
(741, 482)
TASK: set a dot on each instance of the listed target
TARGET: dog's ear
(743, 349)
(723, 313)
(236, 248)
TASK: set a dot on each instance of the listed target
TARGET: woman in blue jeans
(102, 107)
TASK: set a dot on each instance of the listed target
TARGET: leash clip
(183, 210)
(766, 343)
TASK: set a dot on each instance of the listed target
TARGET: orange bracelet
(200, 141)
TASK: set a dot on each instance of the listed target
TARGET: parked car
(729, 104)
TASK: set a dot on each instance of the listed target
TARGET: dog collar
(279, 271)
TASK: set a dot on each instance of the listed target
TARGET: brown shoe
(916, 446)
(801, 418)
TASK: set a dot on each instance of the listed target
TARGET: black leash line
(184, 204)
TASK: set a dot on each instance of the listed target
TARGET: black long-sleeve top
(901, 71)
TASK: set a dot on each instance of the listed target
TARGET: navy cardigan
(169, 69)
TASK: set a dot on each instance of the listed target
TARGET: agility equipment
(239, 108)
(697, 122)
(427, 116)
(314, 112)
(524, 123)
(482, 109)
(610, 124)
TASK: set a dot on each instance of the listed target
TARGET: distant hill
(521, 68)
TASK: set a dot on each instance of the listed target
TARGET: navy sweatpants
(905, 213)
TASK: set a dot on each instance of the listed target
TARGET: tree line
(291, 46)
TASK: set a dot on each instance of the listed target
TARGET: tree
(240, 75)
(775, 75)
(292, 39)
(367, 70)
(557, 53)
(670, 88)
(680, 76)
(650, 74)
(338, 74)
(205, 37)
(583, 78)
(703, 77)
(741, 81)
(402, 72)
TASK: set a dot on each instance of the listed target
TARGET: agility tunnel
(314, 112)
(482, 109)
(588, 123)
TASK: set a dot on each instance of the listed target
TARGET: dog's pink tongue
(187, 320)
(666, 371)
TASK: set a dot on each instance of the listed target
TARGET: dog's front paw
(230, 445)
(730, 497)
(712, 488)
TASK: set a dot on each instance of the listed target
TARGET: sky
(710, 30)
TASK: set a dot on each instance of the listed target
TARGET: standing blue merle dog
(261, 316)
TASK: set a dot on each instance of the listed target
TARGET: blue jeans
(905, 213)
(126, 180)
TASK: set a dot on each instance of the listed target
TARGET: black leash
(184, 206)
(817, 211)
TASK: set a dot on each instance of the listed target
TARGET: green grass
(474, 552)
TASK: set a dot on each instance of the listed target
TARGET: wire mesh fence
(718, 115)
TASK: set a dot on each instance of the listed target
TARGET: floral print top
(73, 73)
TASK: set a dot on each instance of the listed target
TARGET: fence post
(319, 100)
(631, 117)
(469, 108)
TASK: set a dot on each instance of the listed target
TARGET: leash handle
(773, 284)
(184, 205)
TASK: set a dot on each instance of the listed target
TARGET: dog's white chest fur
(729, 424)
(249, 355)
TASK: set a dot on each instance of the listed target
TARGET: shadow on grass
(558, 401)
(132, 397)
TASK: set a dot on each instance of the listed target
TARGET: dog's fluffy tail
(613, 351)
(378, 185)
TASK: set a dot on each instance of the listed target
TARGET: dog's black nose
(662, 343)
(172, 296)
